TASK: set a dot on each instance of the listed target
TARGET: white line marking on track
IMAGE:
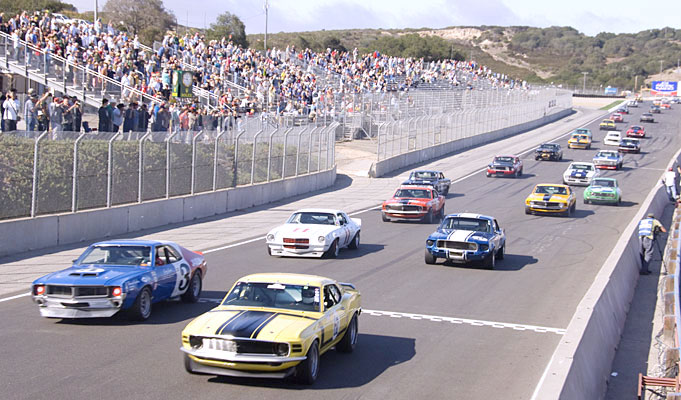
(233, 245)
(453, 320)
(15, 297)
(652, 169)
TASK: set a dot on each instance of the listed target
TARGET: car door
(334, 314)
(182, 271)
(344, 234)
(499, 235)
(164, 272)
(437, 201)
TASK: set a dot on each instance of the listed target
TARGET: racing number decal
(182, 272)
(336, 325)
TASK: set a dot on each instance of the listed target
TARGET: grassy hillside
(555, 54)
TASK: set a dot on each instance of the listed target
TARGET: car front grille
(402, 207)
(452, 245)
(238, 346)
(546, 204)
(291, 243)
(77, 291)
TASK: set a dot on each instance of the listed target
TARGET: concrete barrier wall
(388, 165)
(20, 235)
(581, 364)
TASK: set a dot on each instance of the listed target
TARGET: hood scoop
(87, 272)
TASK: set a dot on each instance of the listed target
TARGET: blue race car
(121, 275)
(463, 238)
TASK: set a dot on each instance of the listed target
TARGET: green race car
(603, 190)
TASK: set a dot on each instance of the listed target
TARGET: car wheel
(560, 158)
(586, 201)
(384, 218)
(194, 290)
(430, 259)
(269, 250)
(308, 370)
(501, 252)
(355, 242)
(347, 344)
(527, 211)
(446, 192)
(520, 172)
(441, 214)
(428, 219)
(489, 261)
(488, 174)
(332, 252)
(619, 201)
(141, 309)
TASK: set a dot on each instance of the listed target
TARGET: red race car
(636, 131)
(617, 117)
(666, 105)
(411, 203)
(505, 166)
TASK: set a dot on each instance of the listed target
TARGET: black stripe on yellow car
(259, 328)
(232, 318)
(246, 323)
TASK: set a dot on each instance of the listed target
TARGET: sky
(588, 16)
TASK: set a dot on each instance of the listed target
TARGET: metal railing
(474, 113)
(71, 171)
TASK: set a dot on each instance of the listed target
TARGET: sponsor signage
(611, 90)
(665, 88)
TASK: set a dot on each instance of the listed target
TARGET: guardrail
(72, 171)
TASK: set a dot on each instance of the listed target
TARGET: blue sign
(611, 90)
(668, 88)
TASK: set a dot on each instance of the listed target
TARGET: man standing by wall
(104, 120)
(647, 230)
(31, 112)
(10, 112)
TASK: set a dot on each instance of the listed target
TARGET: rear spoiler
(348, 285)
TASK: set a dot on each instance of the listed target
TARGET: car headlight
(39, 290)
(321, 239)
(430, 242)
(195, 341)
(270, 237)
(281, 349)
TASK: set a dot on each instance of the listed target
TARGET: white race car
(580, 173)
(314, 232)
(613, 138)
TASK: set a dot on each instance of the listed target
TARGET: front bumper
(500, 172)
(594, 198)
(312, 250)
(571, 180)
(545, 156)
(628, 149)
(241, 365)
(54, 307)
(582, 146)
(547, 209)
(458, 256)
(606, 166)
(405, 215)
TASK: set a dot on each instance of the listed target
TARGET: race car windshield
(582, 167)
(548, 147)
(424, 175)
(413, 193)
(550, 190)
(503, 159)
(117, 255)
(579, 137)
(317, 218)
(467, 224)
(606, 154)
(582, 130)
(274, 295)
(603, 183)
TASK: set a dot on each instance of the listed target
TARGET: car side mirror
(75, 260)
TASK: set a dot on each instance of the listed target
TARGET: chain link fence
(44, 173)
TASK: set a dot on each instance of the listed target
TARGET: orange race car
(411, 203)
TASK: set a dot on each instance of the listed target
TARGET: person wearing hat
(31, 112)
(647, 230)
(118, 114)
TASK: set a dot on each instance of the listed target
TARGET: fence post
(75, 172)
(255, 143)
(298, 150)
(109, 169)
(309, 149)
(235, 174)
(215, 159)
(319, 155)
(269, 154)
(140, 166)
(194, 160)
(168, 163)
(34, 194)
(283, 163)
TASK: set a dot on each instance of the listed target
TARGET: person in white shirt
(669, 181)
(10, 112)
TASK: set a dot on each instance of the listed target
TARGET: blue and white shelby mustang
(579, 173)
(464, 238)
(119, 275)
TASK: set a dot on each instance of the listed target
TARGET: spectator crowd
(237, 80)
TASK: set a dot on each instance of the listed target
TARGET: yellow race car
(579, 141)
(550, 198)
(607, 125)
(273, 326)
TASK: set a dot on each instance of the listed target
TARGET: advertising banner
(664, 88)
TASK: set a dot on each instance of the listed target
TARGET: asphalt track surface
(499, 328)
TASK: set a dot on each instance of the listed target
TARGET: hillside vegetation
(555, 54)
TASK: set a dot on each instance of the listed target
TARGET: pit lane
(549, 265)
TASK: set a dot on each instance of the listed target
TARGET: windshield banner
(664, 88)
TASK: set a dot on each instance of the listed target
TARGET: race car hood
(420, 181)
(608, 157)
(407, 200)
(545, 150)
(459, 235)
(92, 274)
(579, 173)
(303, 230)
(501, 164)
(601, 189)
(548, 197)
(262, 323)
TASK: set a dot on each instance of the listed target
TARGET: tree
(147, 18)
(333, 43)
(228, 25)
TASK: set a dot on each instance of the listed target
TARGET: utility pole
(635, 83)
(660, 66)
(584, 84)
(267, 7)
(96, 7)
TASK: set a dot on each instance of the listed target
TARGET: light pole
(584, 84)
(267, 7)
(96, 7)
(660, 66)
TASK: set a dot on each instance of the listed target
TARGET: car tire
(269, 250)
(560, 158)
(308, 370)
(384, 218)
(429, 258)
(354, 245)
(332, 252)
(586, 201)
(619, 201)
(488, 174)
(502, 252)
(141, 309)
(193, 292)
(489, 261)
(428, 219)
(520, 172)
(349, 341)
(527, 211)
(441, 214)
(446, 192)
